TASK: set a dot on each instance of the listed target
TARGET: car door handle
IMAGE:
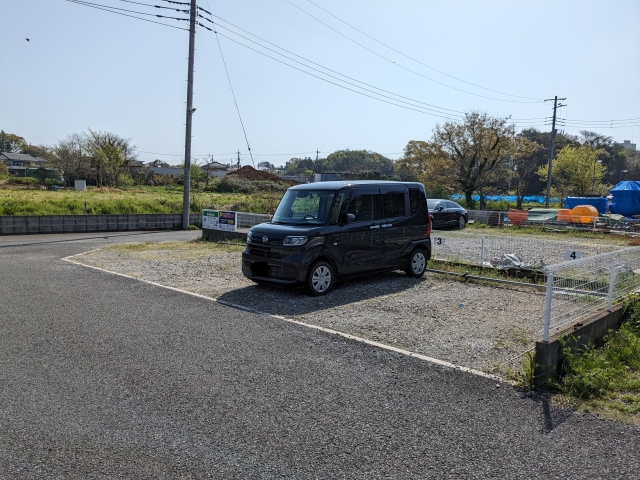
(374, 227)
(387, 225)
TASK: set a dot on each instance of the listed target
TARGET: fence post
(482, 252)
(612, 281)
(547, 308)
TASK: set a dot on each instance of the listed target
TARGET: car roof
(336, 185)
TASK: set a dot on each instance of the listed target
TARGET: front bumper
(286, 266)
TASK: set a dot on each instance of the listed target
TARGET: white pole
(612, 282)
(547, 308)
(482, 252)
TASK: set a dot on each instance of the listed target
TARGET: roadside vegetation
(137, 200)
(605, 376)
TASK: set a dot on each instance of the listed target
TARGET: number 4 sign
(572, 254)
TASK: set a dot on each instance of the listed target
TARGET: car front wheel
(461, 222)
(417, 263)
(320, 278)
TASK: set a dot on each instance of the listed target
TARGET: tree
(424, 162)
(613, 155)
(68, 159)
(11, 143)
(4, 170)
(575, 171)
(523, 165)
(266, 166)
(475, 148)
(299, 166)
(159, 164)
(109, 153)
(111, 158)
(541, 157)
(356, 161)
(42, 174)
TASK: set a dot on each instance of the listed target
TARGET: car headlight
(294, 241)
(249, 237)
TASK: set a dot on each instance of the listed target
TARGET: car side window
(414, 201)
(393, 205)
(362, 207)
(448, 204)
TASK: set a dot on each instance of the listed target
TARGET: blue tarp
(599, 202)
(509, 198)
(626, 199)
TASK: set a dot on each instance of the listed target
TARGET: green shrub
(608, 368)
(235, 184)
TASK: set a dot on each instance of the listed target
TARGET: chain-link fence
(577, 290)
(550, 219)
(510, 252)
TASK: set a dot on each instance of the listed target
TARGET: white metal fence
(505, 251)
(578, 289)
(248, 220)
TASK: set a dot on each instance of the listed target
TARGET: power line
(402, 66)
(234, 98)
(321, 66)
(131, 11)
(155, 6)
(84, 4)
(418, 61)
(333, 83)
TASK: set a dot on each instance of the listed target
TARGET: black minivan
(327, 231)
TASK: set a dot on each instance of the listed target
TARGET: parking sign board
(219, 220)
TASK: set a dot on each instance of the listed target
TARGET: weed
(607, 374)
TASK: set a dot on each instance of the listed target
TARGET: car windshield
(431, 204)
(305, 207)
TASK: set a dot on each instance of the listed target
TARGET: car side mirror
(440, 208)
(349, 217)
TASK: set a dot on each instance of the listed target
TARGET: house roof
(214, 166)
(23, 157)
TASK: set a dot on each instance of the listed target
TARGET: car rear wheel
(320, 278)
(417, 263)
(461, 222)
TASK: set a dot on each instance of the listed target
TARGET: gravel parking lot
(477, 326)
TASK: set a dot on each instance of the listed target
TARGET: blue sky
(85, 68)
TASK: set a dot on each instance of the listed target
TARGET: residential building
(214, 169)
(627, 145)
(18, 163)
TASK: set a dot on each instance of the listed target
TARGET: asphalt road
(103, 376)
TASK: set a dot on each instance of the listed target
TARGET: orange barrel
(517, 217)
(564, 215)
(584, 214)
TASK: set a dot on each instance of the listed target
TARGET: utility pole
(186, 202)
(554, 132)
(238, 159)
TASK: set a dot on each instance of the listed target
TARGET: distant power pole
(554, 132)
(238, 159)
(187, 144)
(315, 168)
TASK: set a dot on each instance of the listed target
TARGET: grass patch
(606, 376)
(196, 246)
(137, 200)
(474, 270)
(542, 231)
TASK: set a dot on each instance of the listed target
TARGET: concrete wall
(20, 225)
(549, 354)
